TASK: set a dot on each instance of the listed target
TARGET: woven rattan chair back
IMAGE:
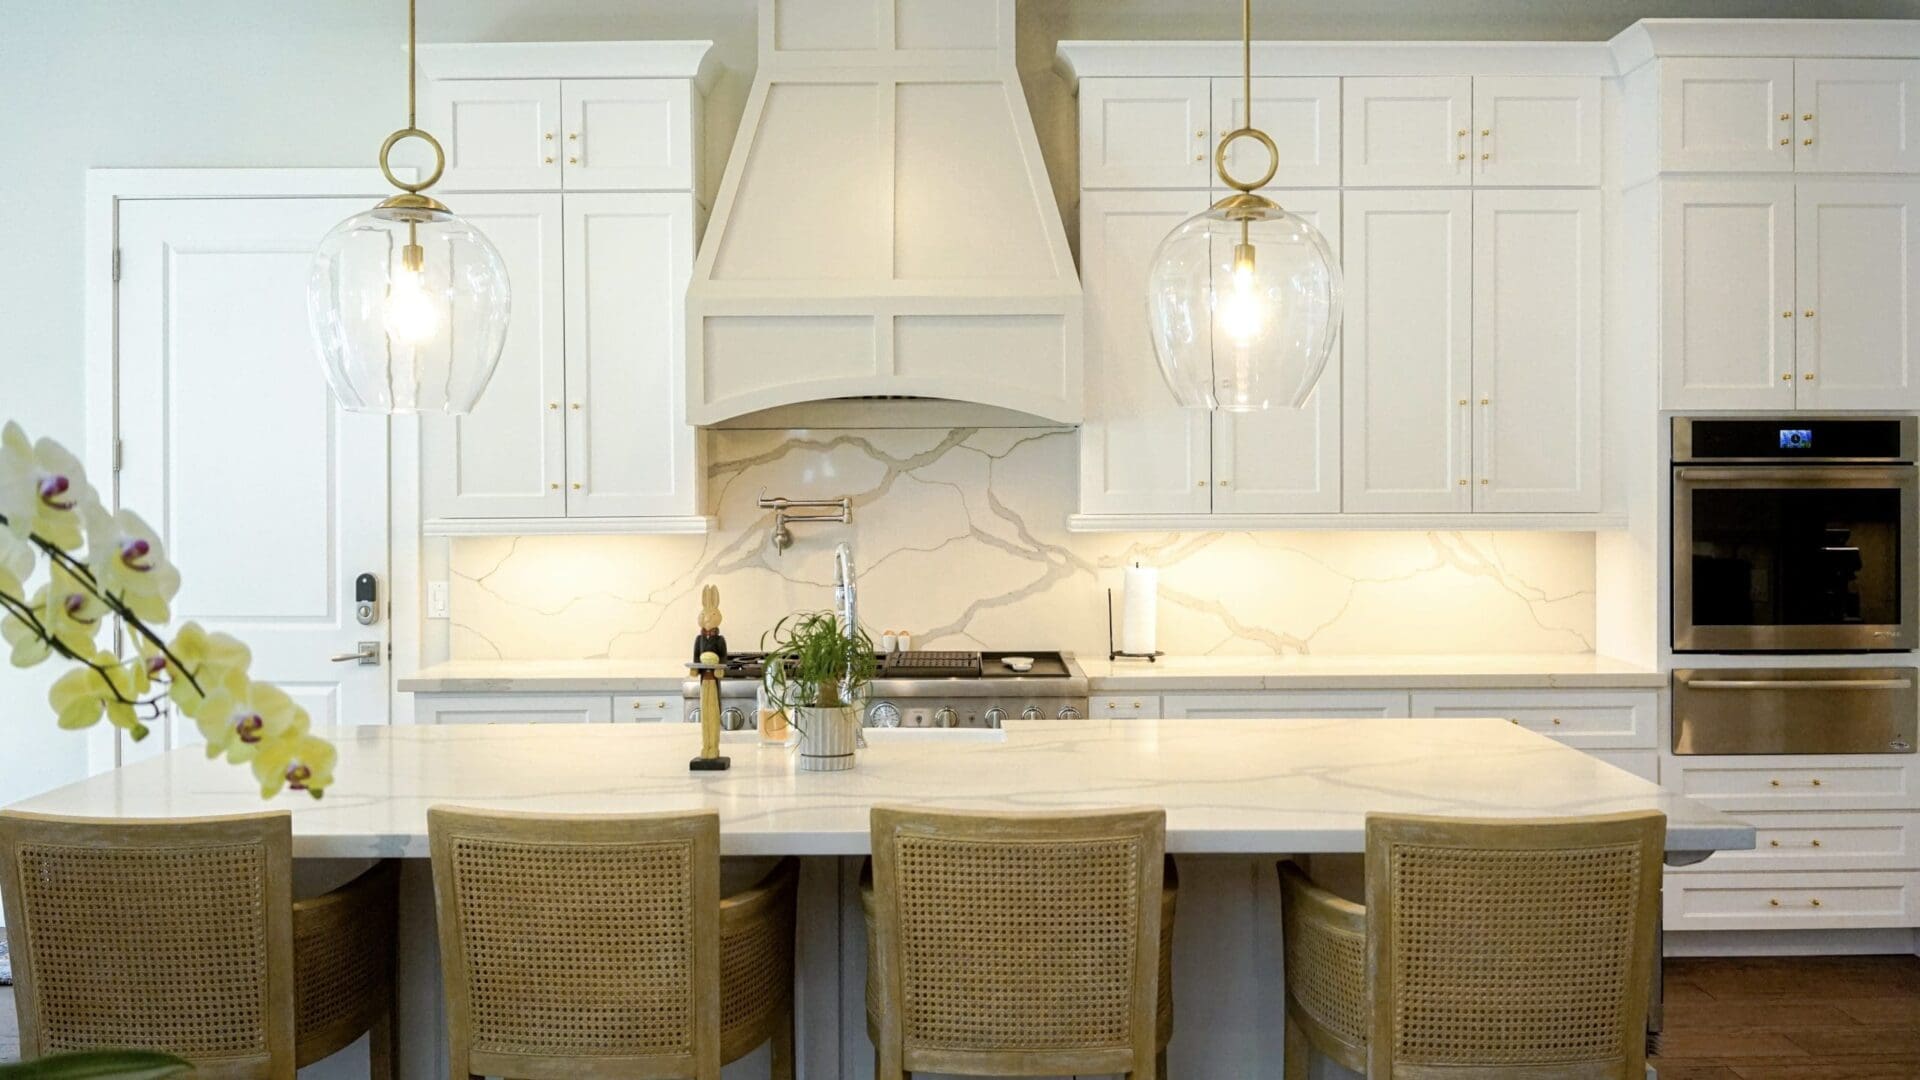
(579, 946)
(166, 935)
(1017, 945)
(1511, 949)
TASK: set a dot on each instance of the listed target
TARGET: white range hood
(885, 228)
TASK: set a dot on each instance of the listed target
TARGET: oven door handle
(1797, 684)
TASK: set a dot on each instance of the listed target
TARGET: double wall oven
(1793, 536)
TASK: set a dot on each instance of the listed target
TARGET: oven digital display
(1796, 438)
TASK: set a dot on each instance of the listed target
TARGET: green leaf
(99, 1065)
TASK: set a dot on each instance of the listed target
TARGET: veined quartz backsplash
(960, 537)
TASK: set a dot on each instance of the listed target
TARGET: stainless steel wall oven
(1795, 534)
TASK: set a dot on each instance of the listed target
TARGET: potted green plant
(818, 671)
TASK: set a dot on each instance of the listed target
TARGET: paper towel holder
(1114, 653)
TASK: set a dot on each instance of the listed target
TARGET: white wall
(318, 82)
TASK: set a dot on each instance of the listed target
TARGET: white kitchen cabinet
(1858, 269)
(1125, 706)
(1726, 115)
(513, 708)
(628, 134)
(1146, 133)
(1271, 704)
(1285, 461)
(1590, 719)
(1408, 353)
(1406, 131)
(1856, 115)
(1536, 412)
(1536, 131)
(660, 707)
(1300, 115)
(508, 459)
(498, 134)
(630, 451)
(1140, 451)
(1727, 315)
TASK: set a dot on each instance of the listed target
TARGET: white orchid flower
(43, 489)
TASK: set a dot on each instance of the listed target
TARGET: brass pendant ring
(1220, 158)
(439, 159)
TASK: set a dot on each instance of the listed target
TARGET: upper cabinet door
(499, 134)
(1857, 115)
(1146, 133)
(630, 451)
(1536, 351)
(1726, 294)
(627, 134)
(1140, 451)
(1408, 329)
(1859, 267)
(1301, 116)
(507, 459)
(1726, 115)
(1406, 132)
(1536, 132)
(1286, 461)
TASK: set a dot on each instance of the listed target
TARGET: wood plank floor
(1792, 1018)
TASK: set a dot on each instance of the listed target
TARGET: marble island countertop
(1351, 672)
(1229, 786)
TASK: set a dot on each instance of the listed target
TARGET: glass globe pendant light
(1244, 299)
(408, 303)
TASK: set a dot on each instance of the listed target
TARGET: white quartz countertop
(1229, 786)
(1517, 671)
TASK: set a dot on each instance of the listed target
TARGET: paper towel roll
(1140, 610)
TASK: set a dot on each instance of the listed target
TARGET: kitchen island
(1237, 793)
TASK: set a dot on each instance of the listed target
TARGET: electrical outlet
(437, 603)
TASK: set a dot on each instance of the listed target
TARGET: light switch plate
(437, 604)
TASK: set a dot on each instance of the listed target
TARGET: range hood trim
(886, 334)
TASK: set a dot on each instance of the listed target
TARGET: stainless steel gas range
(928, 690)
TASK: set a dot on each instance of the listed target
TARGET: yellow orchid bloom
(210, 657)
(241, 716)
(66, 609)
(83, 695)
(302, 762)
(43, 489)
(129, 563)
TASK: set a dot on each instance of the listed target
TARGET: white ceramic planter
(828, 738)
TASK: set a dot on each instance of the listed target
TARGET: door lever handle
(367, 655)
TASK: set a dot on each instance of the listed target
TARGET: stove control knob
(1031, 712)
(884, 714)
(734, 718)
(994, 717)
(1068, 712)
(946, 718)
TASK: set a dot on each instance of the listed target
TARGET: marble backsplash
(961, 538)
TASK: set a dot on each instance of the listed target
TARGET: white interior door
(1858, 251)
(1536, 351)
(1140, 451)
(270, 498)
(1407, 366)
(630, 452)
(1286, 461)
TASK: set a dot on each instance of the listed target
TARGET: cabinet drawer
(1786, 901)
(1267, 705)
(513, 708)
(1877, 782)
(1590, 720)
(660, 707)
(1126, 706)
(1856, 840)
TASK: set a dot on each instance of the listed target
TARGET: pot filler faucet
(843, 586)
